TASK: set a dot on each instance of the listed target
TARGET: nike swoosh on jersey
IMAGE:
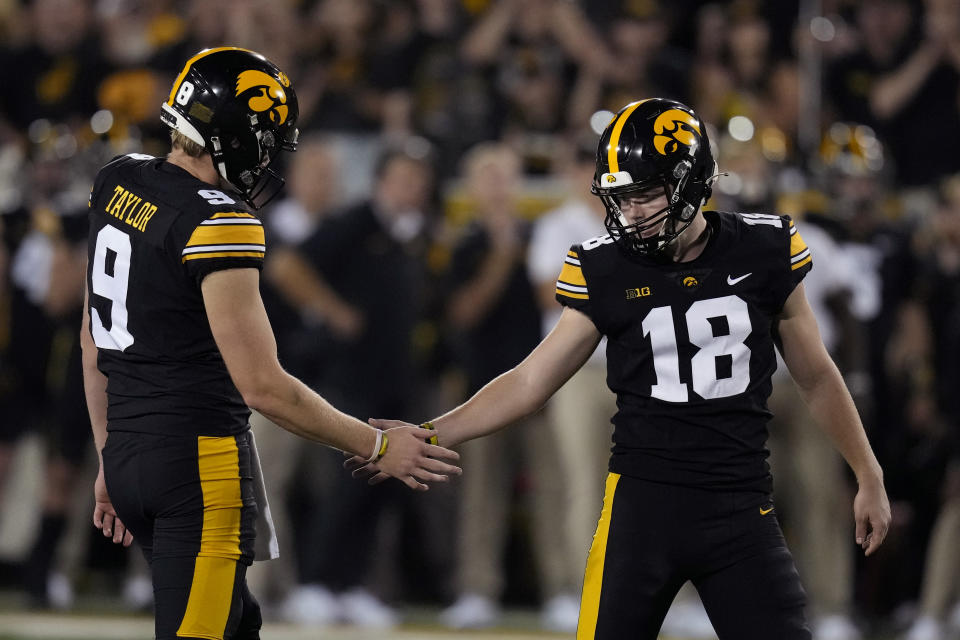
(731, 280)
(765, 512)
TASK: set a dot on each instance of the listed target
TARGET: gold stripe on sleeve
(797, 245)
(572, 274)
(222, 254)
(231, 214)
(571, 294)
(801, 263)
(593, 578)
(227, 234)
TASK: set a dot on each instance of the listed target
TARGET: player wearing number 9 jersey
(693, 305)
(156, 231)
(177, 348)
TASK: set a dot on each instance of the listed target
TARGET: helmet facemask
(244, 164)
(672, 220)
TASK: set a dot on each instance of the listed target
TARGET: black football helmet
(654, 143)
(243, 110)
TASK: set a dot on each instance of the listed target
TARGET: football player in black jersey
(693, 304)
(177, 346)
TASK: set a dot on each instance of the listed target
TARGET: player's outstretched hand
(871, 509)
(409, 457)
(104, 516)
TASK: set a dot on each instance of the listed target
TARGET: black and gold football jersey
(690, 347)
(155, 232)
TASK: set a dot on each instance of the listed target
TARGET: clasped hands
(409, 457)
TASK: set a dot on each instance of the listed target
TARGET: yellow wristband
(429, 426)
(383, 449)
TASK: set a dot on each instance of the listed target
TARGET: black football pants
(189, 502)
(654, 537)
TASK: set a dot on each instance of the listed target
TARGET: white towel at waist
(266, 546)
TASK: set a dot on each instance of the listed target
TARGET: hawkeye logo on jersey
(638, 292)
(673, 128)
(130, 208)
(691, 281)
(266, 94)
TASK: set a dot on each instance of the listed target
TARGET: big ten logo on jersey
(638, 292)
(130, 208)
(593, 243)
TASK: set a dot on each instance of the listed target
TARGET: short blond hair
(188, 146)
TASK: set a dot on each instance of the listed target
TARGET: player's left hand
(105, 517)
(871, 510)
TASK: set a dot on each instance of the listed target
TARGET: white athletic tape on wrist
(376, 447)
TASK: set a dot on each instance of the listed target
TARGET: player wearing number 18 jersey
(693, 305)
(177, 346)
(691, 347)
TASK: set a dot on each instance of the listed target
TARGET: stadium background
(844, 114)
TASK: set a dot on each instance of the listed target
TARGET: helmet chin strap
(218, 159)
(259, 187)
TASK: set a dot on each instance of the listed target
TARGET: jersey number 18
(658, 324)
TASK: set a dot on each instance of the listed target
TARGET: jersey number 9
(109, 278)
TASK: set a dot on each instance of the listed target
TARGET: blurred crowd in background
(446, 155)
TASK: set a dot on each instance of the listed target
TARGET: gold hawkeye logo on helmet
(679, 126)
(269, 97)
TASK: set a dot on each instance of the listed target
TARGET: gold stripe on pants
(211, 593)
(593, 579)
